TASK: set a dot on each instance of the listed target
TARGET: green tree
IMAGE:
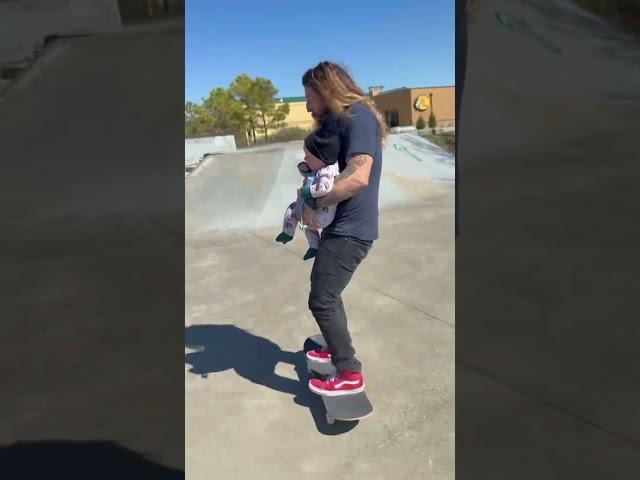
(190, 111)
(248, 104)
(433, 123)
(227, 112)
(258, 97)
(276, 115)
(190, 116)
(420, 123)
(197, 120)
(270, 114)
(243, 89)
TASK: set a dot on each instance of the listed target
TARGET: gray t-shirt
(358, 216)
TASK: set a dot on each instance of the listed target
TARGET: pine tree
(433, 123)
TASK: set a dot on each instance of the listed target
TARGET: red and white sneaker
(345, 383)
(319, 356)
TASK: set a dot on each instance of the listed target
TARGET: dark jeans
(337, 259)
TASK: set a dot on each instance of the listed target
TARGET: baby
(319, 168)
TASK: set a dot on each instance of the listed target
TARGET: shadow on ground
(222, 347)
(95, 460)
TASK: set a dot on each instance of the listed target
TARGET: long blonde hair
(339, 91)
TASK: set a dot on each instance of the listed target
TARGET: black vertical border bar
(461, 70)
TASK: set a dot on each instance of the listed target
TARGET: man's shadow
(79, 459)
(223, 347)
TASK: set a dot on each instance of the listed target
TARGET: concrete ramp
(196, 149)
(69, 166)
(231, 190)
(91, 204)
(410, 155)
(587, 65)
(251, 189)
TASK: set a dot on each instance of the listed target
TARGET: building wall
(298, 116)
(444, 105)
(399, 101)
(402, 100)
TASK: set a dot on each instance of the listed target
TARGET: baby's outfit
(324, 145)
(320, 184)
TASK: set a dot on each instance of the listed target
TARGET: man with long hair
(347, 240)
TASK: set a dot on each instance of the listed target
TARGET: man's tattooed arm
(351, 180)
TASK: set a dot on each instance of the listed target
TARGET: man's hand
(353, 178)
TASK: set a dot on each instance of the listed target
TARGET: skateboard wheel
(330, 419)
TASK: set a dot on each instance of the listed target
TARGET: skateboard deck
(346, 407)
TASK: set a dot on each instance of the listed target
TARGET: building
(298, 115)
(400, 106)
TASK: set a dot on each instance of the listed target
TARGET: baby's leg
(290, 220)
(288, 224)
(313, 237)
(324, 216)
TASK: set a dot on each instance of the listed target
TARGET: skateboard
(345, 408)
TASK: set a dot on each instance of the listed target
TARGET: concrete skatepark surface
(252, 187)
(247, 318)
(90, 312)
(24, 24)
(545, 241)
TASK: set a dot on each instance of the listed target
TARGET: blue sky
(405, 44)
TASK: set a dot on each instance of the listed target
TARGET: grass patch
(445, 140)
(289, 134)
(286, 134)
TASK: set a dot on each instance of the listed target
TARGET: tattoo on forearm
(347, 190)
(347, 172)
(358, 161)
(355, 163)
